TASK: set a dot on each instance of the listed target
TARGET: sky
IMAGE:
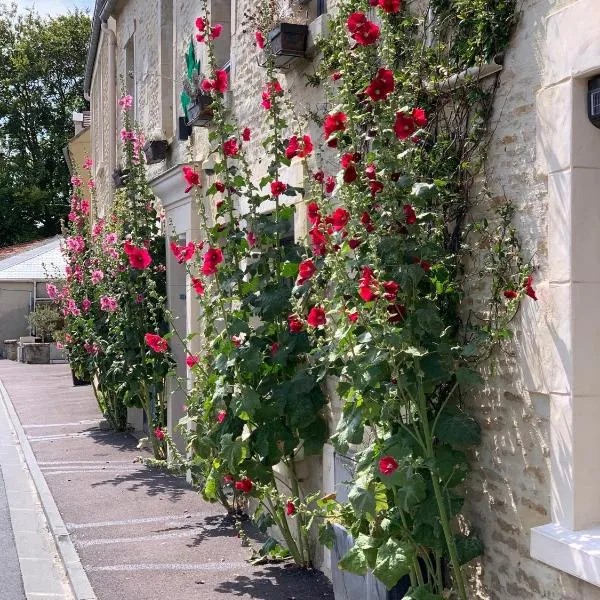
(55, 7)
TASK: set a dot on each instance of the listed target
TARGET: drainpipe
(112, 97)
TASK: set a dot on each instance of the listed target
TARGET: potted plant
(45, 321)
(196, 103)
(283, 25)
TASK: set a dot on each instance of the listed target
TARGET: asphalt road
(11, 585)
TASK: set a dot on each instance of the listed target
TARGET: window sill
(575, 552)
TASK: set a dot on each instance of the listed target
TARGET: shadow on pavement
(153, 483)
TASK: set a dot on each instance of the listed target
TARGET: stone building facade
(534, 495)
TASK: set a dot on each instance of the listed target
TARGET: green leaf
(467, 377)
(232, 451)
(410, 492)
(468, 548)
(354, 561)
(362, 501)
(326, 534)
(452, 466)
(392, 563)
(245, 404)
(289, 269)
(421, 593)
(456, 428)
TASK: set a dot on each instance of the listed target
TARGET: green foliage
(47, 322)
(41, 84)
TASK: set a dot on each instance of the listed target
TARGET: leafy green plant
(46, 321)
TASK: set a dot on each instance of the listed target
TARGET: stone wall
(509, 490)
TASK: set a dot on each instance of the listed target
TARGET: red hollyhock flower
(365, 220)
(329, 184)
(290, 508)
(306, 270)
(397, 313)
(192, 178)
(404, 126)
(316, 317)
(335, 76)
(319, 176)
(210, 260)
(354, 243)
(251, 239)
(270, 89)
(219, 186)
(387, 465)
(274, 348)
(425, 265)
(215, 31)
(219, 83)
(409, 213)
(371, 171)
(419, 117)
(159, 434)
(353, 316)
(198, 286)
(300, 148)
(314, 216)
(222, 416)
(334, 122)
(363, 31)
(318, 240)
(200, 24)
(390, 6)
(511, 294)
(366, 293)
(373, 2)
(391, 290)
(244, 485)
(230, 147)
(278, 187)
(228, 479)
(382, 86)
(340, 218)
(295, 324)
(192, 360)
(260, 40)
(528, 285)
(156, 342)
(246, 134)
(139, 258)
(376, 187)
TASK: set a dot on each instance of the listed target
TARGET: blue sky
(55, 7)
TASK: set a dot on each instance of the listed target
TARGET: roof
(36, 261)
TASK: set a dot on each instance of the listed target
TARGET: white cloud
(55, 7)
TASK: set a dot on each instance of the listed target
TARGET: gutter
(112, 96)
(102, 11)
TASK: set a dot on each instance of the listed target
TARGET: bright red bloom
(198, 286)
(290, 508)
(156, 342)
(159, 434)
(390, 6)
(318, 240)
(511, 294)
(192, 360)
(192, 178)
(215, 31)
(295, 324)
(244, 485)
(404, 126)
(230, 147)
(183, 253)
(363, 31)
(210, 260)
(260, 40)
(409, 213)
(349, 166)
(219, 83)
(139, 258)
(365, 219)
(329, 184)
(335, 76)
(366, 293)
(246, 134)
(340, 218)
(391, 290)
(376, 187)
(353, 316)
(316, 317)
(334, 122)
(382, 86)
(528, 285)
(219, 186)
(387, 465)
(222, 416)
(278, 187)
(419, 117)
(313, 212)
(200, 24)
(306, 270)
(300, 148)
(270, 89)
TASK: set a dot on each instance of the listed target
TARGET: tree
(42, 62)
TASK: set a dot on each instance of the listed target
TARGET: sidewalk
(140, 534)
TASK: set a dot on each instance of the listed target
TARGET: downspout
(112, 97)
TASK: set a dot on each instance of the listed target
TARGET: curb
(78, 578)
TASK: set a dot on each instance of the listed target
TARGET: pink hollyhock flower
(139, 258)
(127, 136)
(230, 147)
(126, 102)
(219, 83)
(215, 31)
(191, 177)
(76, 181)
(183, 253)
(51, 290)
(108, 303)
(387, 465)
(251, 239)
(97, 276)
(156, 342)
(301, 148)
(192, 360)
(221, 416)
(260, 40)
(290, 508)
(88, 164)
(210, 260)
(86, 304)
(159, 434)
(110, 239)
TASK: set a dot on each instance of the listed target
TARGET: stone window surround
(568, 344)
